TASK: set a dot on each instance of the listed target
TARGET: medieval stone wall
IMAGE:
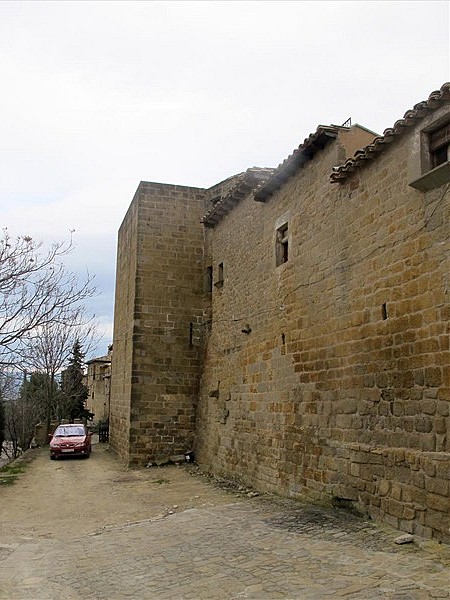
(302, 343)
(98, 381)
(329, 375)
(159, 323)
(124, 309)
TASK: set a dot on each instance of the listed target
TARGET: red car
(70, 440)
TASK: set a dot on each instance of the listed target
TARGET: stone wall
(157, 323)
(124, 316)
(329, 375)
(98, 382)
(300, 341)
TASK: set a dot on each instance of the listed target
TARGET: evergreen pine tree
(73, 389)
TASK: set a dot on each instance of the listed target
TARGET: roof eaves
(295, 161)
(412, 116)
(246, 183)
(105, 359)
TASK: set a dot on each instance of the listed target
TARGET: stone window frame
(282, 242)
(220, 276)
(439, 145)
(209, 277)
(430, 170)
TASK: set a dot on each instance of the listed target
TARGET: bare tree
(9, 385)
(41, 314)
(49, 350)
(6, 385)
(24, 408)
(35, 290)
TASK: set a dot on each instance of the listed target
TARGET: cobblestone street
(90, 528)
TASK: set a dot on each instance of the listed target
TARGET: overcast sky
(97, 96)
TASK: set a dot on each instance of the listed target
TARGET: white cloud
(100, 95)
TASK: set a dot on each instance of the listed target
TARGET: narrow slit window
(282, 245)
(220, 277)
(209, 280)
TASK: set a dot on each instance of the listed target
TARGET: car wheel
(52, 457)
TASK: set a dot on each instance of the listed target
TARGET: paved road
(91, 529)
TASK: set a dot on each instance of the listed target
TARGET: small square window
(282, 245)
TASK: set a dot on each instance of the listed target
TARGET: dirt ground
(90, 528)
(95, 493)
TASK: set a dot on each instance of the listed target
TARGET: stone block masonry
(317, 362)
(339, 388)
(158, 300)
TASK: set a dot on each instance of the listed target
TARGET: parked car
(72, 439)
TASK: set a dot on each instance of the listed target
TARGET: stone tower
(158, 307)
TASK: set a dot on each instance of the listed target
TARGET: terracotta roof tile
(410, 118)
(99, 359)
(316, 141)
(245, 183)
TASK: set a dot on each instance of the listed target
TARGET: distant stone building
(292, 324)
(98, 382)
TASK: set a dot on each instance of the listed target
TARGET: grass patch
(160, 481)
(9, 473)
(13, 469)
(9, 480)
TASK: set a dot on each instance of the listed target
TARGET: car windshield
(68, 431)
